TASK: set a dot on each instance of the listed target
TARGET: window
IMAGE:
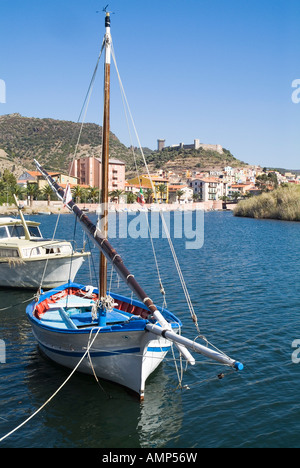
(16, 231)
(34, 231)
(3, 232)
(5, 253)
(31, 252)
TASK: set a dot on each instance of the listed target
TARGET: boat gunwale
(128, 326)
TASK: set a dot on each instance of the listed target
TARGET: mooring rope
(56, 392)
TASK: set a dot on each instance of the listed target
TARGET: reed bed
(282, 203)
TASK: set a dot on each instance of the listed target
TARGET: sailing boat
(111, 336)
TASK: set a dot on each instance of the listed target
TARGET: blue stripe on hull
(105, 353)
(92, 353)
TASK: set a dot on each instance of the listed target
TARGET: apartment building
(209, 188)
(88, 172)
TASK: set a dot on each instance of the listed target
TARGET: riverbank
(282, 204)
(56, 207)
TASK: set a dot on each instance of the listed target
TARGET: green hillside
(53, 142)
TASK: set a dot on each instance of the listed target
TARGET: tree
(93, 194)
(179, 194)
(77, 193)
(47, 192)
(236, 195)
(32, 191)
(115, 194)
(8, 185)
(19, 192)
(265, 182)
(162, 188)
(131, 197)
(149, 195)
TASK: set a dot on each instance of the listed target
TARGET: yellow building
(60, 178)
(162, 196)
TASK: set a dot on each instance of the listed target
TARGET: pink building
(88, 171)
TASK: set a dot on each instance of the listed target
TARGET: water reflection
(161, 413)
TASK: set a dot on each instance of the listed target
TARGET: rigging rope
(125, 101)
(86, 104)
(184, 287)
(175, 258)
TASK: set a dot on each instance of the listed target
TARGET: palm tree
(94, 194)
(19, 192)
(77, 193)
(32, 191)
(115, 194)
(47, 192)
(131, 197)
(162, 188)
(149, 195)
(179, 194)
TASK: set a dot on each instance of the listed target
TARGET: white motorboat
(27, 260)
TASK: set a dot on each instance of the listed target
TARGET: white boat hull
(126, 359)
(29, 273)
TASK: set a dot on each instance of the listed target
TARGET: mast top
(107, 20)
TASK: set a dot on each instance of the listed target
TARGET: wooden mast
(105, 155)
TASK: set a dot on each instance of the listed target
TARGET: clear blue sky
(217, 70)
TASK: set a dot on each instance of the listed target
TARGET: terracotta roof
(177, 187)
(37, 173)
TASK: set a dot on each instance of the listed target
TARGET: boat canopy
(13, 228)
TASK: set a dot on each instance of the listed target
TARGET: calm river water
(245, 288)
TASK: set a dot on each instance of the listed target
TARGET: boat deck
(73, 313)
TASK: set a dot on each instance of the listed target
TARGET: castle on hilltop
(196, 145)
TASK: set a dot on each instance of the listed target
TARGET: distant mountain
(283, 171)
(52, 142)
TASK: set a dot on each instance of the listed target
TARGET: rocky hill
(192, 159)
(52, 142)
